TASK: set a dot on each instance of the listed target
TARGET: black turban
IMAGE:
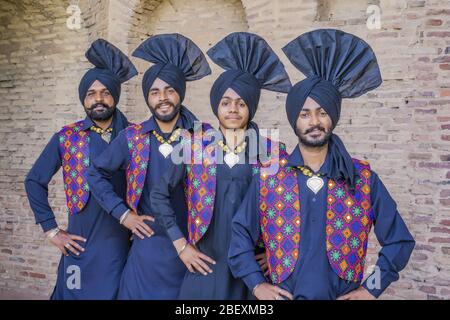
(336, 65)
(176, 59)
(251, 65)
(112, 68)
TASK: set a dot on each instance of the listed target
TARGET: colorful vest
(139, 149)
(349, 220)
(74, 152)
(200, 192)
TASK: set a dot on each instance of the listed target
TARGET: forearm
(99, 176)
(37, 181)
(161, 200)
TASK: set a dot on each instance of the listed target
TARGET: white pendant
(165, 149)
(231, 159)
(315, 183)
(106, 136)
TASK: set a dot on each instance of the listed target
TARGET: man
(215, 189)
(94, 247)
(316, 212)
(153, 270)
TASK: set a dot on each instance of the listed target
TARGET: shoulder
(76, 126)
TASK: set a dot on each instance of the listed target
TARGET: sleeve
(245, 231)
(160, 199)
(99, 175)
(37, 180)
(394, 237)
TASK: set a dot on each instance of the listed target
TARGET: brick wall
(402, 128)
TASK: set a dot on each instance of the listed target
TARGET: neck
(234, 137)
(104, 124)
(313, 157)
(167, 126)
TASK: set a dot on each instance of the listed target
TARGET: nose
(314, 120)
(98, 97)
(162, 96)
(234, 107)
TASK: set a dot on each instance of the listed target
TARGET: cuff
(253, 279)
(375, 286)
(119, 210)
(175, 233)
(48, 225)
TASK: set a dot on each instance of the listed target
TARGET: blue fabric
(107, 245)
(112, 68)
(153, 269)
(168, 73)
(321, 91)
(176, 59)
(109, 80)
(231, 187)
(313, 277)
(244, 84)
(250, 65)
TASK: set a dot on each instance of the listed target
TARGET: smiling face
(164, 101)
(99, 104)
(233, 112)
(314, 125)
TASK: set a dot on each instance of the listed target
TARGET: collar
(295, 159)
(151, 124)
(88, 123)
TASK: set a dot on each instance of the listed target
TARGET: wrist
(255, 287)
(180, 245)
(52, 233)
(124, 216)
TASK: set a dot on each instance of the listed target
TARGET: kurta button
(314, 199)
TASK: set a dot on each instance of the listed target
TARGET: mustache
(99, 104)
(159, 105)
(315, 128)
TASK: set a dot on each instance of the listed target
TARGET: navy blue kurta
(231, 187)
(313, 277)
(107, 244)
(153, 269)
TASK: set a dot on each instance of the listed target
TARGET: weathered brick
(401, 127)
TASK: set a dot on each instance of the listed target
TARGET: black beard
(316, 143)
(100, 116)
(169, 117)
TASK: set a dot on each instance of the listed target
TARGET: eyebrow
(226, 97)
(157, 89)
(317, 109)
(94, 90)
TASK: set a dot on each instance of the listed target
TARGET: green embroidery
(350, 275)
(338, 223)
(272, 182)
(287, 262)
(272, 245)
(354, 243)
(335, 255)
(340, 193)
(271, 213)
(356, 211)
(208, 200)
(288, 229)
(196, 183)
(288, 197)
(212, 171)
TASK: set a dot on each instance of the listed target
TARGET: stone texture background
(402, 128)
